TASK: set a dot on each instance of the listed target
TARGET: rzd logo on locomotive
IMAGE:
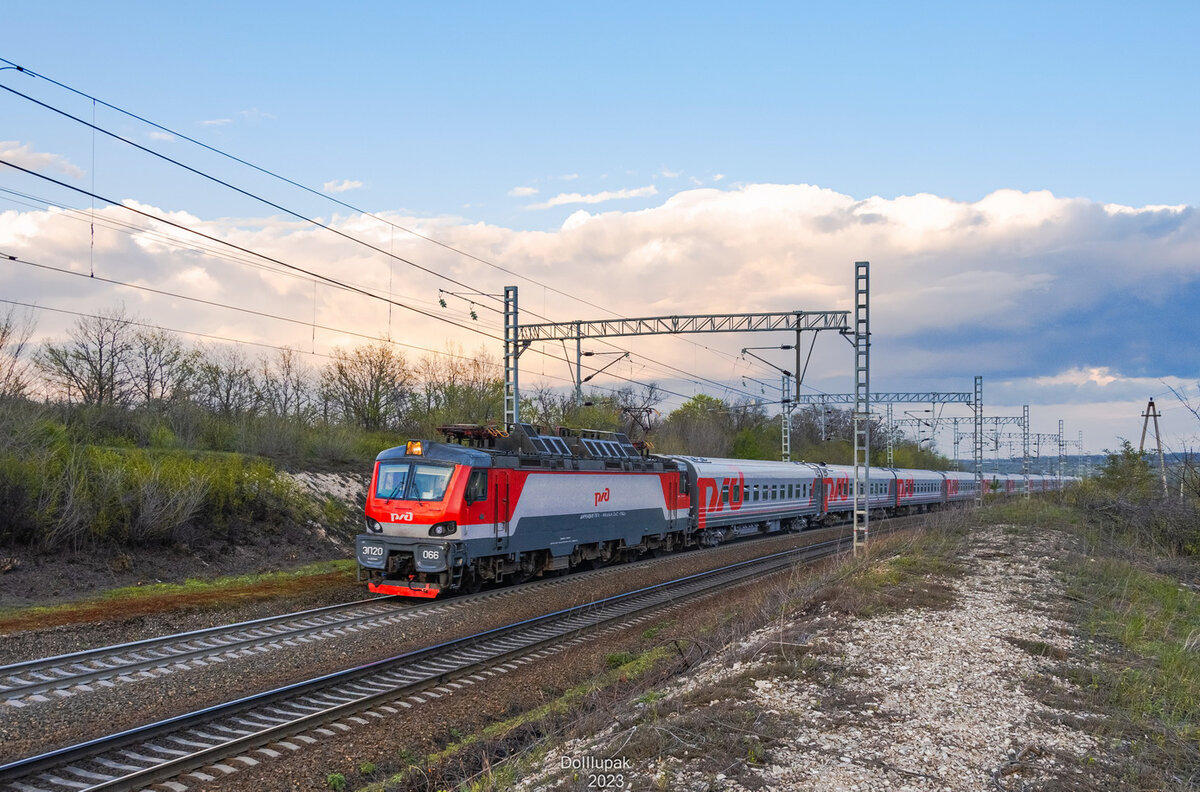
(602, 497)
(402, 517)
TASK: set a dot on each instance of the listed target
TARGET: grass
(164, 597)
(906, 571)
(1155, 622)
(1136, 654)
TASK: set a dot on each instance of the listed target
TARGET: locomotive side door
(501, 514)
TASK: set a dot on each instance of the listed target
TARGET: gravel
(931, 699)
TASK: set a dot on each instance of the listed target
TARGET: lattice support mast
(978, 406)
(862, 403)
(512, 351)
(1025, 447)
(1062, 450)
(891, 429)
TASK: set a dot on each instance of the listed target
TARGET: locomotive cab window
(477, 486)
(412, 481)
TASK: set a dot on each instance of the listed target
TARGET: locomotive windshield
(412, 481)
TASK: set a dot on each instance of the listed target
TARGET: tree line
(112, 362)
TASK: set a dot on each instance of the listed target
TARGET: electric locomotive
(495, 506)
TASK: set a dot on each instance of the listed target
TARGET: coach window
(477, 486)
(725, 493)
(737, 493)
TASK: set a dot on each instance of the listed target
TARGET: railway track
(62, 676)
(202, 745)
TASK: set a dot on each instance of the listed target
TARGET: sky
(1024, 179)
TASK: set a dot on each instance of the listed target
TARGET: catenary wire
(319, 194)
(310, 190)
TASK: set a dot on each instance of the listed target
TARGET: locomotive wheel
(471, 583)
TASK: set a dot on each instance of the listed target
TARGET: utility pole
(1152, 412)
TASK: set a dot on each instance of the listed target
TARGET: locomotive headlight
(442, 529)
(373, 526)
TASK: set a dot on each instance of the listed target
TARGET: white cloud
(23, 154)
(565, 199)
(345, 185)
(159, 135)
(1056, 301)
(217, 121)
(1098, 375)
(523, 192)
(569, 176)
(718, 177)
(669, 174)
(254, 114)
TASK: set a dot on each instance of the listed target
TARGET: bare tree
(161, 368)
(639, 409)
(369, 386)
(92, 366)
(225, 383)
(15, 330)
(459, 389)
(702, 425)
(285, 385)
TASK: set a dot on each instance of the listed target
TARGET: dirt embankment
(40, 577)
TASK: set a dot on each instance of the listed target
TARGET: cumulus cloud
(565, 199)
(1100, 375)
(523, 192)
(345, 185)
(23, 154)
(1053, 300)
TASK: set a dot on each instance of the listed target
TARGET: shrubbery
(59, 490)
(1126, 501)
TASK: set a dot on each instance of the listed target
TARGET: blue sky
(492, 125)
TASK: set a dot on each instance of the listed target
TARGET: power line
(688, 376)
(235, 188)
(253, 313)
(315, 275)
(303, 187)
(78, 214)
(297, 215)
(213, 303)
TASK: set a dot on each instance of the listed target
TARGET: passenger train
(489, 506)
